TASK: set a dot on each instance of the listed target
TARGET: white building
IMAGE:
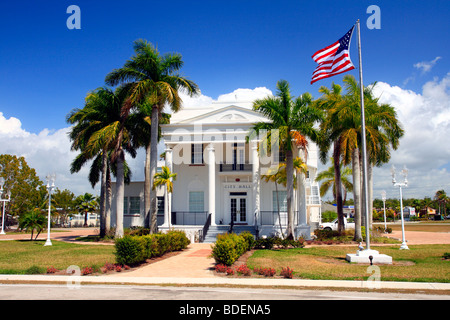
(219, 174)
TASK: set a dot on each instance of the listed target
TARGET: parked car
(333, 225)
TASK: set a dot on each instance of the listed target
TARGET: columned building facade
(220, 164)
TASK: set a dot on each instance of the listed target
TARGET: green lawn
(422, 263)
(16, 257)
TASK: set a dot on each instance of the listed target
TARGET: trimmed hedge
(131, 250)
(230, 246)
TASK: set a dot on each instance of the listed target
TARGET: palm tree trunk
(120, 188)
(85, 219)
(370, 186)
(290, 193)
(103, 195)
(337, 184)
(278, 207)
(108, 201)
(357, 193)
(147, 187)
(153, 166)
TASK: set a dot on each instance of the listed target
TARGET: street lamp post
(404, 172)
(2, 181)
(383, 197)
(50, 187)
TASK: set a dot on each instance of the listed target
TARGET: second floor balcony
(230, 167)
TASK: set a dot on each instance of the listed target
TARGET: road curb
(72, 281)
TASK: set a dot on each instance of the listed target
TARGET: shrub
(52, 269)
(87, 270)
(34, 270)
(267, 272)
(129, 250)
(178, 240)
(109, 266)
(229, 247)
(265, 243)
(287, 273)
(224, 251)
(249, 239)
(221, 268)
(244, 270)
(325, 234)
(151, 246)
(230, 271)
(446, 256)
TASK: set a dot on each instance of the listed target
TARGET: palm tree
(294, 119)
(331, 133)
(328, 181)
(112, 135)
(86, 203)
(278, 176)
(442, 199)
(97, 113)
(33, 220)
(383, 131)
(165, 178)
(154, 81)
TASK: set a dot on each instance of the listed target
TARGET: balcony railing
(187, 218)
(225, 167)
(271, 218)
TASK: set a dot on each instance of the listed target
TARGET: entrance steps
(213, 231)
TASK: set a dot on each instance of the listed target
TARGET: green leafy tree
(65, 203)
(23, 183)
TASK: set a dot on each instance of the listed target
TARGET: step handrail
(206, 227)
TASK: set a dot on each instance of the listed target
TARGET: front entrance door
(238, 206)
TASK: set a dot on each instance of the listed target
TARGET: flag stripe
(333, 59)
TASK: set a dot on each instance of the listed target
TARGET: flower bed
(244, 270)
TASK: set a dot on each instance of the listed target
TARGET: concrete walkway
(194, 262)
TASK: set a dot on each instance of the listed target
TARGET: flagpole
(363, 139)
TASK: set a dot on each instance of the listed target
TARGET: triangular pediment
(231, 114)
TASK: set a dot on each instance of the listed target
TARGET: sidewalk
(193, 267)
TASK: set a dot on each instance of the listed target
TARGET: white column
(256, 182)
(168, 196)
(301, 203)
(212, 183)
(303, 229)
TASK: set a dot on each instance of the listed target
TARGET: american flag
(334, 59)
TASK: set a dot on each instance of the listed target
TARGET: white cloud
(49, 151)
(46, 152)
(426, 66)
(241, 95)
(425, 148)
(245, 95)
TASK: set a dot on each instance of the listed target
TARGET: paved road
(125, 292)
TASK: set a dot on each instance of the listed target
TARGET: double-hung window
(135, 205)
(196, 201)
(197, 153)
(282, 198)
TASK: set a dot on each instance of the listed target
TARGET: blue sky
(47, 69)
